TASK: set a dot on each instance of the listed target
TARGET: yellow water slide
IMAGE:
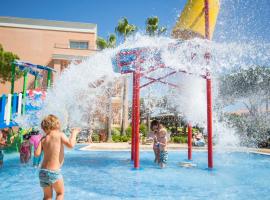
(191, 22)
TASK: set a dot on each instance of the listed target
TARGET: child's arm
(163, 142)
(71, 141)
(38, 151)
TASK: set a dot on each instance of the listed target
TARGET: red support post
(137, 119)
(208, 89)
(209, 121)
(132, 120)
(189, 141)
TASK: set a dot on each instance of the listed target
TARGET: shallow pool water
(109, 175)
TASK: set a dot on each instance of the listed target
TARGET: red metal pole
(209, 121)
(209, 92)
(132, 122)
(137, 120)
(189, 141)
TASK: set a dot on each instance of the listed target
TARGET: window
(78, 45)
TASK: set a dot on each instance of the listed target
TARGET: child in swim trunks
(162, 144)
(53, 147)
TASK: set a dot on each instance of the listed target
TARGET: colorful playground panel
(11, 106)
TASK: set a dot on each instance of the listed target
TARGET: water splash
(83, 89)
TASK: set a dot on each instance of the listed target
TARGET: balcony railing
(66, 46)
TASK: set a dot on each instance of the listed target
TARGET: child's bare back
(53, 147)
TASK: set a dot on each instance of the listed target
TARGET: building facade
(46, 42)
(54, 44)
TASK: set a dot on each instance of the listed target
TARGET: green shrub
(179, 139)
(128, 131)
(95, 137)
(120, 138)
(124, 138)
(183, 139)
(115, 131)
(143, 129)
(116, 138)
(176, 139)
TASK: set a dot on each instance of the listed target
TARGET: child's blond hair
(49, 123)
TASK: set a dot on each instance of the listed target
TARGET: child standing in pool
(25, 150)
(53, 147)
(162, 144)
(153, 135)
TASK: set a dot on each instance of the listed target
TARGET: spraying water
(82, 91)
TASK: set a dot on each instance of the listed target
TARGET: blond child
(162, 144)
(52, 144)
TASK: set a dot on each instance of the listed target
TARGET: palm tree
(101, 43)
(109, 43)
(152, 26)
(124, 29)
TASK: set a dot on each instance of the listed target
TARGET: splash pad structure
(131, 61)
(14, 104)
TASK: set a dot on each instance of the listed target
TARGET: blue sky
(238, 19)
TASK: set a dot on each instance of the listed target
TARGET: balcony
(64, 49)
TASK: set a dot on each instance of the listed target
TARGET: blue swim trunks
(163, 156)
(48, 177)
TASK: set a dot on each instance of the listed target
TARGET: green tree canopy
(152, 26)
(124, 28)
(6, 58)
(109, 43)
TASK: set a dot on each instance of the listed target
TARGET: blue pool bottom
(110, 175)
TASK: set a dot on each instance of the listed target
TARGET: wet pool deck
(124, 146)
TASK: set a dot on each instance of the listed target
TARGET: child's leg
(21, 158)
(156, 155)
(162, 165)
(48, 193)
(58, 186)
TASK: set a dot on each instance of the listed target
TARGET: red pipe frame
(132, 122)
(209, 122)
(136, 132)
(136, 104)
(208, 91)
(189, 141)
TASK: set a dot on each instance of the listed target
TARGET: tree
(125, 29)
(152, 26)
(110, 43)
(252, 88)
(6, 58)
